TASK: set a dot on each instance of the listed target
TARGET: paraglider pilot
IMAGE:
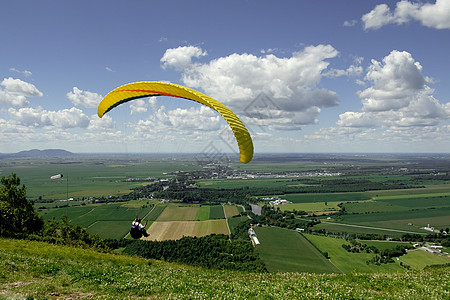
(137, 229)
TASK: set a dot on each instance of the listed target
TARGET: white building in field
(253, 237)
(429, 228)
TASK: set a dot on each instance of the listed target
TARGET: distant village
(218, 171)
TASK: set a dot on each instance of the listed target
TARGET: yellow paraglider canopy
(142, 89)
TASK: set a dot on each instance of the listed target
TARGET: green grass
(110, 229)
(400, 219)
(216, 212)
(349, 262)
(430, 190)
(326, 197)
(344, 228)
(310, 207)
(41, 271)
(155, 212)
(231, 210)
(285, 250)
(419, 259)
(89, 176)
(203, 213)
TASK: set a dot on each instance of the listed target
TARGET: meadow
(36, 270)
(348, 262)
(285, 250)
(356, 262)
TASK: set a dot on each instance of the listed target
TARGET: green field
(400, 219)
(216, 212)
(36, 270)
(110, 220)
(285, 250)
(231, 210)
(203, 213)
(346, 261)
(326, 197)
(360, 229)
(110, 229)
(310, 207)
(419, 259)
(89, 176)
(155, 212)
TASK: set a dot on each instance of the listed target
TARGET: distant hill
(36, 153)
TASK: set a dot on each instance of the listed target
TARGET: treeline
(387, 255)
(286, 219)
(212, 251)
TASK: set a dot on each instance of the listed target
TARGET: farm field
(89, 175)
(382, 212)
(419, 259)
(111, 220)
(311, 206)
(399, 220)
(174, 230)
(326, 197)
(177, 221)
(230, 211)
(349, 262)
(360, 229)
(178, 213)
(285, 250)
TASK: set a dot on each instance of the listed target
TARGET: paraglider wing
(137, 90)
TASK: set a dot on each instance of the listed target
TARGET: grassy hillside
(42, 271)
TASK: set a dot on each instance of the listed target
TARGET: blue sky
(304, 76)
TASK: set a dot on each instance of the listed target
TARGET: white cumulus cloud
(14, 92)
(434, 15)
(19, 87)
(288, 86)
(84, 98)
(398, 96)
(181, 57)
(139, 106)
(39, 117)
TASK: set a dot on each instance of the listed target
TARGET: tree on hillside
(17, 215)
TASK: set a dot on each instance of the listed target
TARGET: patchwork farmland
(165, 221)
(332, 208)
